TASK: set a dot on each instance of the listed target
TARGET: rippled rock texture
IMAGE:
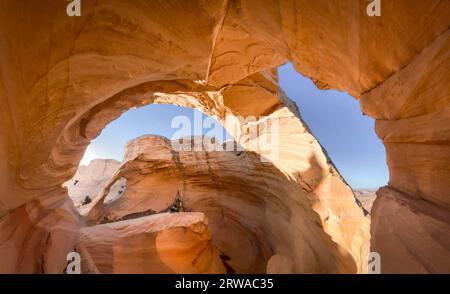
(63, 79)
(254, 211)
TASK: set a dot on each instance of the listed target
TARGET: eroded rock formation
(89, 180)
(254, 210)
(162, 243)
(64, 78)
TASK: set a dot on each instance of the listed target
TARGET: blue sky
(155, 119)
(334, 118)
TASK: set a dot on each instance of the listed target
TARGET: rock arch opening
(346, 134)
(235, 189)
(105, 154)
(78, 74)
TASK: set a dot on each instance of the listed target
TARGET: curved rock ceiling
(63, 79)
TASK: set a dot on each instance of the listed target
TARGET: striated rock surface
(64, 78)
(160, 244)
(89, 180)
(37, 236)
(419, 234)
(254, 210)
(413, 119)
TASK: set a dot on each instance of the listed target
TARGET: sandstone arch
(60, 74)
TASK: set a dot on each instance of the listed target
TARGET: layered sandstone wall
(255, 211)
(412, 111)
(63, 79)
(156, 244)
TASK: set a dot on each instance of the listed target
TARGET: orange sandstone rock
(64, 78)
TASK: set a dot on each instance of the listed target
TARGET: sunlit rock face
(63, 79)
(413, 218)
(164, 243)
(89, 180)
(254, 210)
(412, 108)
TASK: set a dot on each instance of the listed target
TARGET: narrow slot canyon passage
(314, 107)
